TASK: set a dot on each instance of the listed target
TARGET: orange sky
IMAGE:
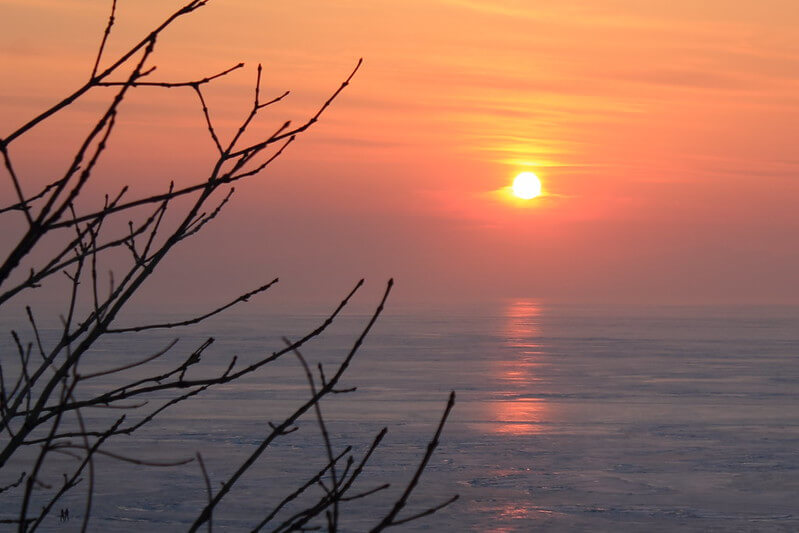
(664, 132)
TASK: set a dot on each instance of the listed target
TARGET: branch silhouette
(52, 377)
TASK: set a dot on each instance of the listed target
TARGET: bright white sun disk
(526, 185)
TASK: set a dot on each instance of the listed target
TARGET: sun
(526, 186)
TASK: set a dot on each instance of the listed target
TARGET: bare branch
(171, 84)
(15, 484)
(200, 222)
(106, 33)
(307, 124)
(367, 493)
(45, 387)
(243, 298)
(125, 458)
(75, 478)
(185, 10)
(17, 187)
(32, 478)
(390, 519)
(325, 436)
(208, 490)
(427, 512)
(293, 417)
(207, 116)
(23, 205)
(300, 490)
(131, 365)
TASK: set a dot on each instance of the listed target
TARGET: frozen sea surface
(567, 419)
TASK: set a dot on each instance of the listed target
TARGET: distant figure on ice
(64, 515)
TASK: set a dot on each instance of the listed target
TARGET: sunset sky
(664, 132)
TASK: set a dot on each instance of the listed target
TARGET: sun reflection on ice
(522, 324)
(520, 416)
(513, 516)
(515, 412)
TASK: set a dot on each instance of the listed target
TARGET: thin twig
(313, 481)
(131, 390)
(17, 187)
(125, 458)
(106, 33)
(427, 512)
(184, 10)
(293, 417)
(390, 519)
(208, 490)
(308, 123)
(243, 298)
(15, 484)
(171, 84)
(156, 355)
(325, 436)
